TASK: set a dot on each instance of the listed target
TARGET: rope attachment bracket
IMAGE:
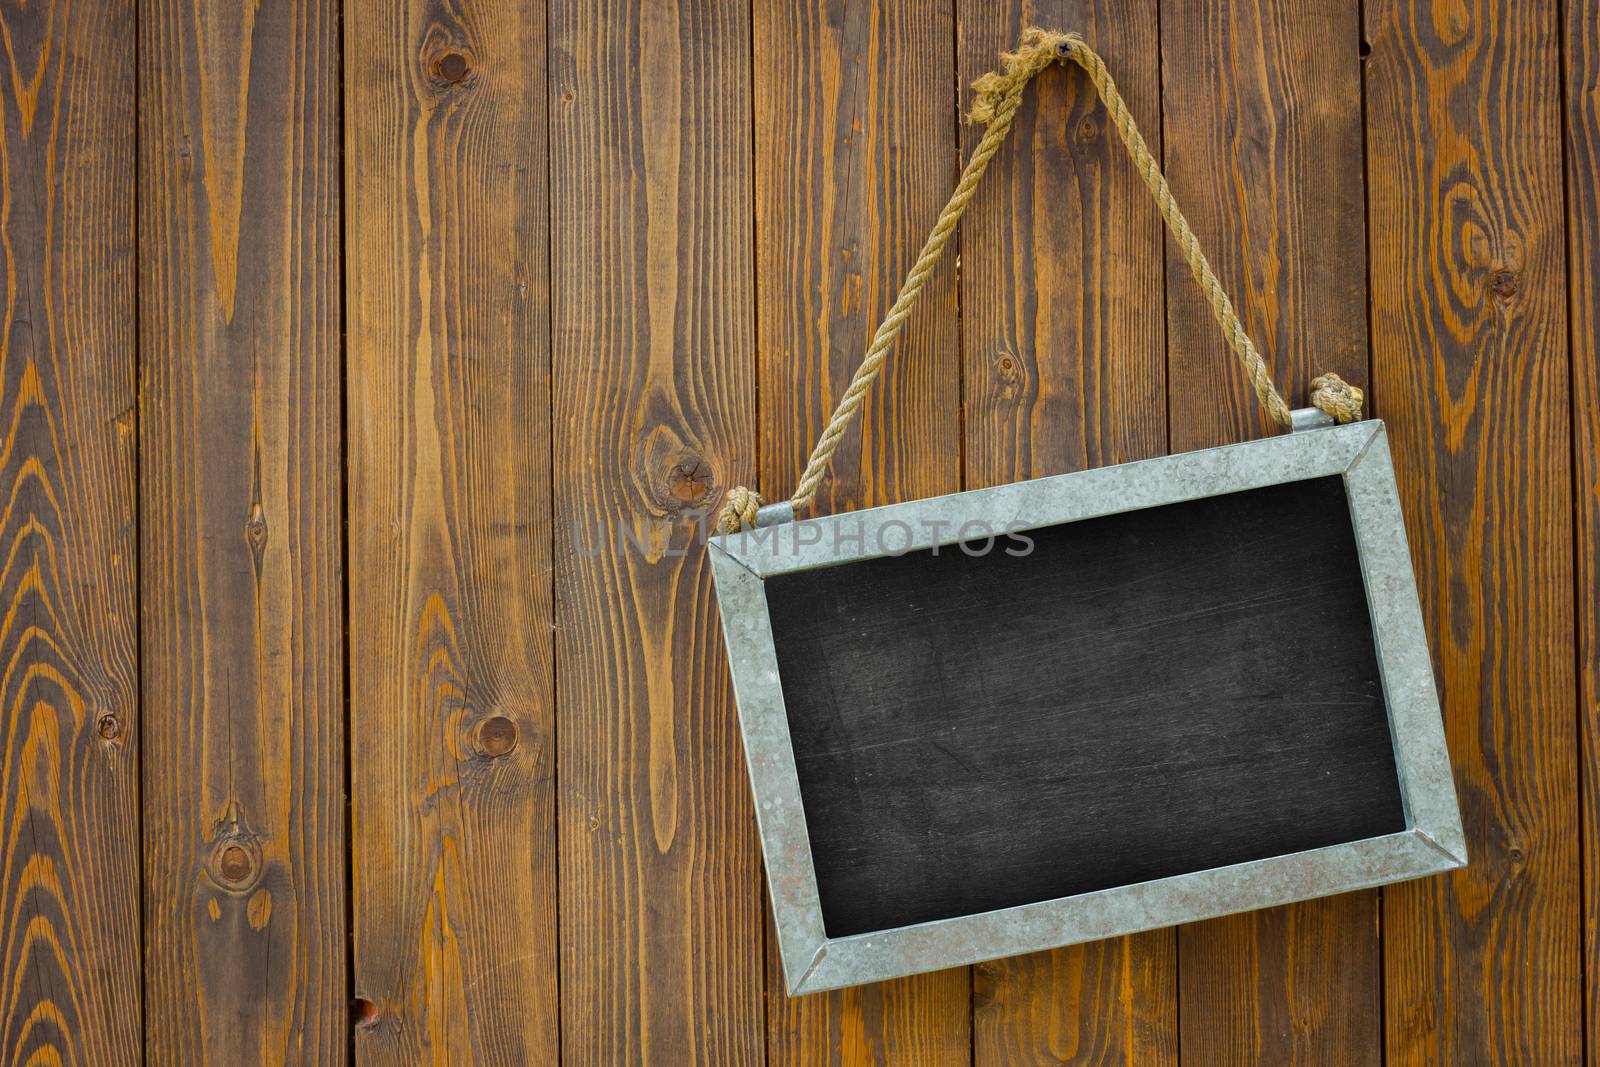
(775, 514)
(1302, 419)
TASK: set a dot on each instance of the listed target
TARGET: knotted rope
(739, 510)
(1337, 397)
(999, 97)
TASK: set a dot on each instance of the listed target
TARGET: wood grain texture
(831, 124)
(855, 155)
(242, 573)
(69, 854)
(1063, 354)
(451, 672)
(1296, 984)
(654, 390)
(1262, 117)
(1470, 371)
(1581, 22)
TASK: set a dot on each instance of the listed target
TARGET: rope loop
(1337, 397)
(1035, 51)
(999, 95)
(739, 510)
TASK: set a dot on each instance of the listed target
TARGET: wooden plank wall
(1581, 54)
(651, 260)
(452, 701)
(1471, 369)
(69, 571)
(370, 369)
(241, 566)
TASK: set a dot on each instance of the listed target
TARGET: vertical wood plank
(69, 857)
(1062, 335)
(652, 304)
(242, 569)
(1263, 149)
(1262, 116)
(855, 155)
(452, 712)
(1470, 372)
(1581, 22)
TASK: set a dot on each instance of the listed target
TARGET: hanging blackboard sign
(1078, 707)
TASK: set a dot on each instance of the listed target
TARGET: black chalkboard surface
(1143, 695)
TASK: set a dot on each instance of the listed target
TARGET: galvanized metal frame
(1431, 843)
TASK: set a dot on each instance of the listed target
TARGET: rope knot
(739, 510)
(1337, 397)
(1036, 51)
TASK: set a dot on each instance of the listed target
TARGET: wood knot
(1088, 131)
(689, 480)
(364, 1013)
(109, 728)
(451, 67)
(234, 864)
(1504, 284)
(255, 529)
(497, 736)
(1009, 375)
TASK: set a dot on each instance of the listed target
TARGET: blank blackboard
(1141, 695)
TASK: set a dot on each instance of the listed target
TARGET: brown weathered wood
(1581, 22)
(1062, 340)
(1262, 126)
(855, 155)
(907, 1021)
(1262, 120)
(1297, 984)
(240, 472)
(1470, 372)
(654, 391)
(69, 857)
(452, 699)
